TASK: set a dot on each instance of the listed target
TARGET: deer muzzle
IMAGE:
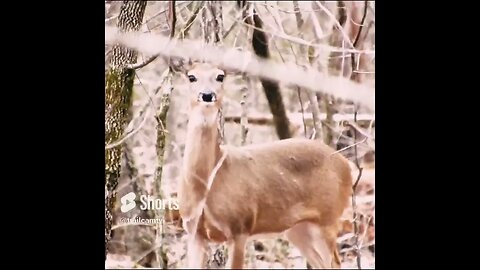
(207, 97)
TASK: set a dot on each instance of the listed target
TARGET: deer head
(205, 90)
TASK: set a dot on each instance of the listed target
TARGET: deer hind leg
(236, 252)
(316, 243)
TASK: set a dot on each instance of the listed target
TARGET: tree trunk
(118, 100)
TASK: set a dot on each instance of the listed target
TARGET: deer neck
(202, 147)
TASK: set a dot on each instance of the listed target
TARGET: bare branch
(354, 204)
(234, 60)
(360, 130)
(216, 10)
(303, 42)
(144, 63)
(275, 16)
(235, 22)
(244, 107)
(111, 18)
(192, 18)
(312, 97)
(357, 38)
(289, 11)
(298, 15)
(201, 204)
(337, 23)
(244, 118)
(350, 146)
(167, 9)
(172, 18)
(296, 118)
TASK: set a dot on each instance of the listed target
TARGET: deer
(229, 194)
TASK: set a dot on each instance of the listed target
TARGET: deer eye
(192, 78)
(220, 78)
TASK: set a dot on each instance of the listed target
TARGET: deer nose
(207, 96)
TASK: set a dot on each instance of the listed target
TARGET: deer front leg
(236, 252)
(196, 252)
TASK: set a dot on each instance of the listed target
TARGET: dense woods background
(146, 116)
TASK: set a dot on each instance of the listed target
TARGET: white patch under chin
(204, 120)
(209, 119)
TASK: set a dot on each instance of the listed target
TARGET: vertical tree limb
(212, 22)
(328, 102)
(118, 101)
(354, 203)
(161, 117)
(355, 77)
(244, 105)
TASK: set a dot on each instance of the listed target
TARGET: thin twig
(290, 11)
(244, 119)
(360, 130)
(172, 18)
(312, 97)
(244, 107)
(161, 116)
(165, 10)
(201, 204)
(337, 24)
(298, 17)
(238, 18)
(366, 231)
(111, 18)
(216, 10)
(354, 203)
(357, 37)
(304, 42)
(275, 17)
(267, 119)
(361, 24)
(350, 146)
(192, 19)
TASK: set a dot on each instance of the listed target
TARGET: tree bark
(271, 88)
(118, 100)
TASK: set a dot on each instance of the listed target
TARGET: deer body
(296, 186)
